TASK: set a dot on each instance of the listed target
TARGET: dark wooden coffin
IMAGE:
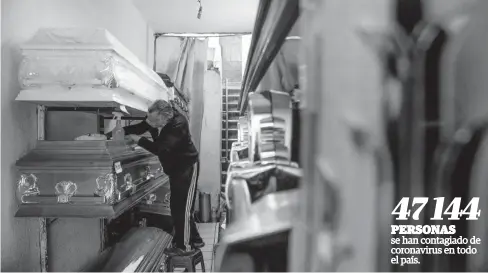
(140, 250)
(99, 179)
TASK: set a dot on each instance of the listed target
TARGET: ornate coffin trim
(129, 185)
(106, 187)
(65, 190)
(27, 186)
(86, 207)
(150, 198)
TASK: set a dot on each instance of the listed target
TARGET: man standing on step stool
(179, 158)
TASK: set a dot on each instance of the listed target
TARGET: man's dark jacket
(173, 145)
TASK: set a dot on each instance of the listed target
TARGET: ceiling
(180, 16)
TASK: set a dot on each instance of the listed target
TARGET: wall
(20, 19)
(209, 180)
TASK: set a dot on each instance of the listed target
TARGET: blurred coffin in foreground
(93, 179)
(140, 250)
(257, 240)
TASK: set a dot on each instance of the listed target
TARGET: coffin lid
(91, 39)
(80, 156)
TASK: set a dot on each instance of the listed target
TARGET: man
(179, 158)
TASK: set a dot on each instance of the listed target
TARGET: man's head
(159, 113)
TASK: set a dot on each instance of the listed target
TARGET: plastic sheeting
(85, 67)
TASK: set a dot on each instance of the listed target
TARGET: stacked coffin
(261, 192)
(84, 67)
(85, 178)
(89, 69)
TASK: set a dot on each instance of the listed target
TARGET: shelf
(274, 20)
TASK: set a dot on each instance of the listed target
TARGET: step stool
(189, 261)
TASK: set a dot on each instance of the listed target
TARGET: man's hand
(134, 138)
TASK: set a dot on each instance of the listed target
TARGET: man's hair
(162, 107)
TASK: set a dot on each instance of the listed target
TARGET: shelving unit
(230, 116)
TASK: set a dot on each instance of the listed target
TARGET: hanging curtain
(231, 58)
(184, 60)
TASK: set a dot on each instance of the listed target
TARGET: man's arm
(166, 142)
(135, 129)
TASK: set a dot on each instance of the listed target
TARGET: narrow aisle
(209, 233)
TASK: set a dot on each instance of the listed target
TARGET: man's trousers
(182, 203)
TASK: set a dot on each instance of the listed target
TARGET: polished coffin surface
(84, 67)
(85, 178)
(140, 250)
(157, 202)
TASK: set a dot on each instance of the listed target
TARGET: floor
(209, 233)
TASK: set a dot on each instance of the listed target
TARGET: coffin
(140, 250)
(158, 203)
(260, 231)
(85, 67)
(94, 179)
(272, 214)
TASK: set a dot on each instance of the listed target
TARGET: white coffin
(85, 67)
